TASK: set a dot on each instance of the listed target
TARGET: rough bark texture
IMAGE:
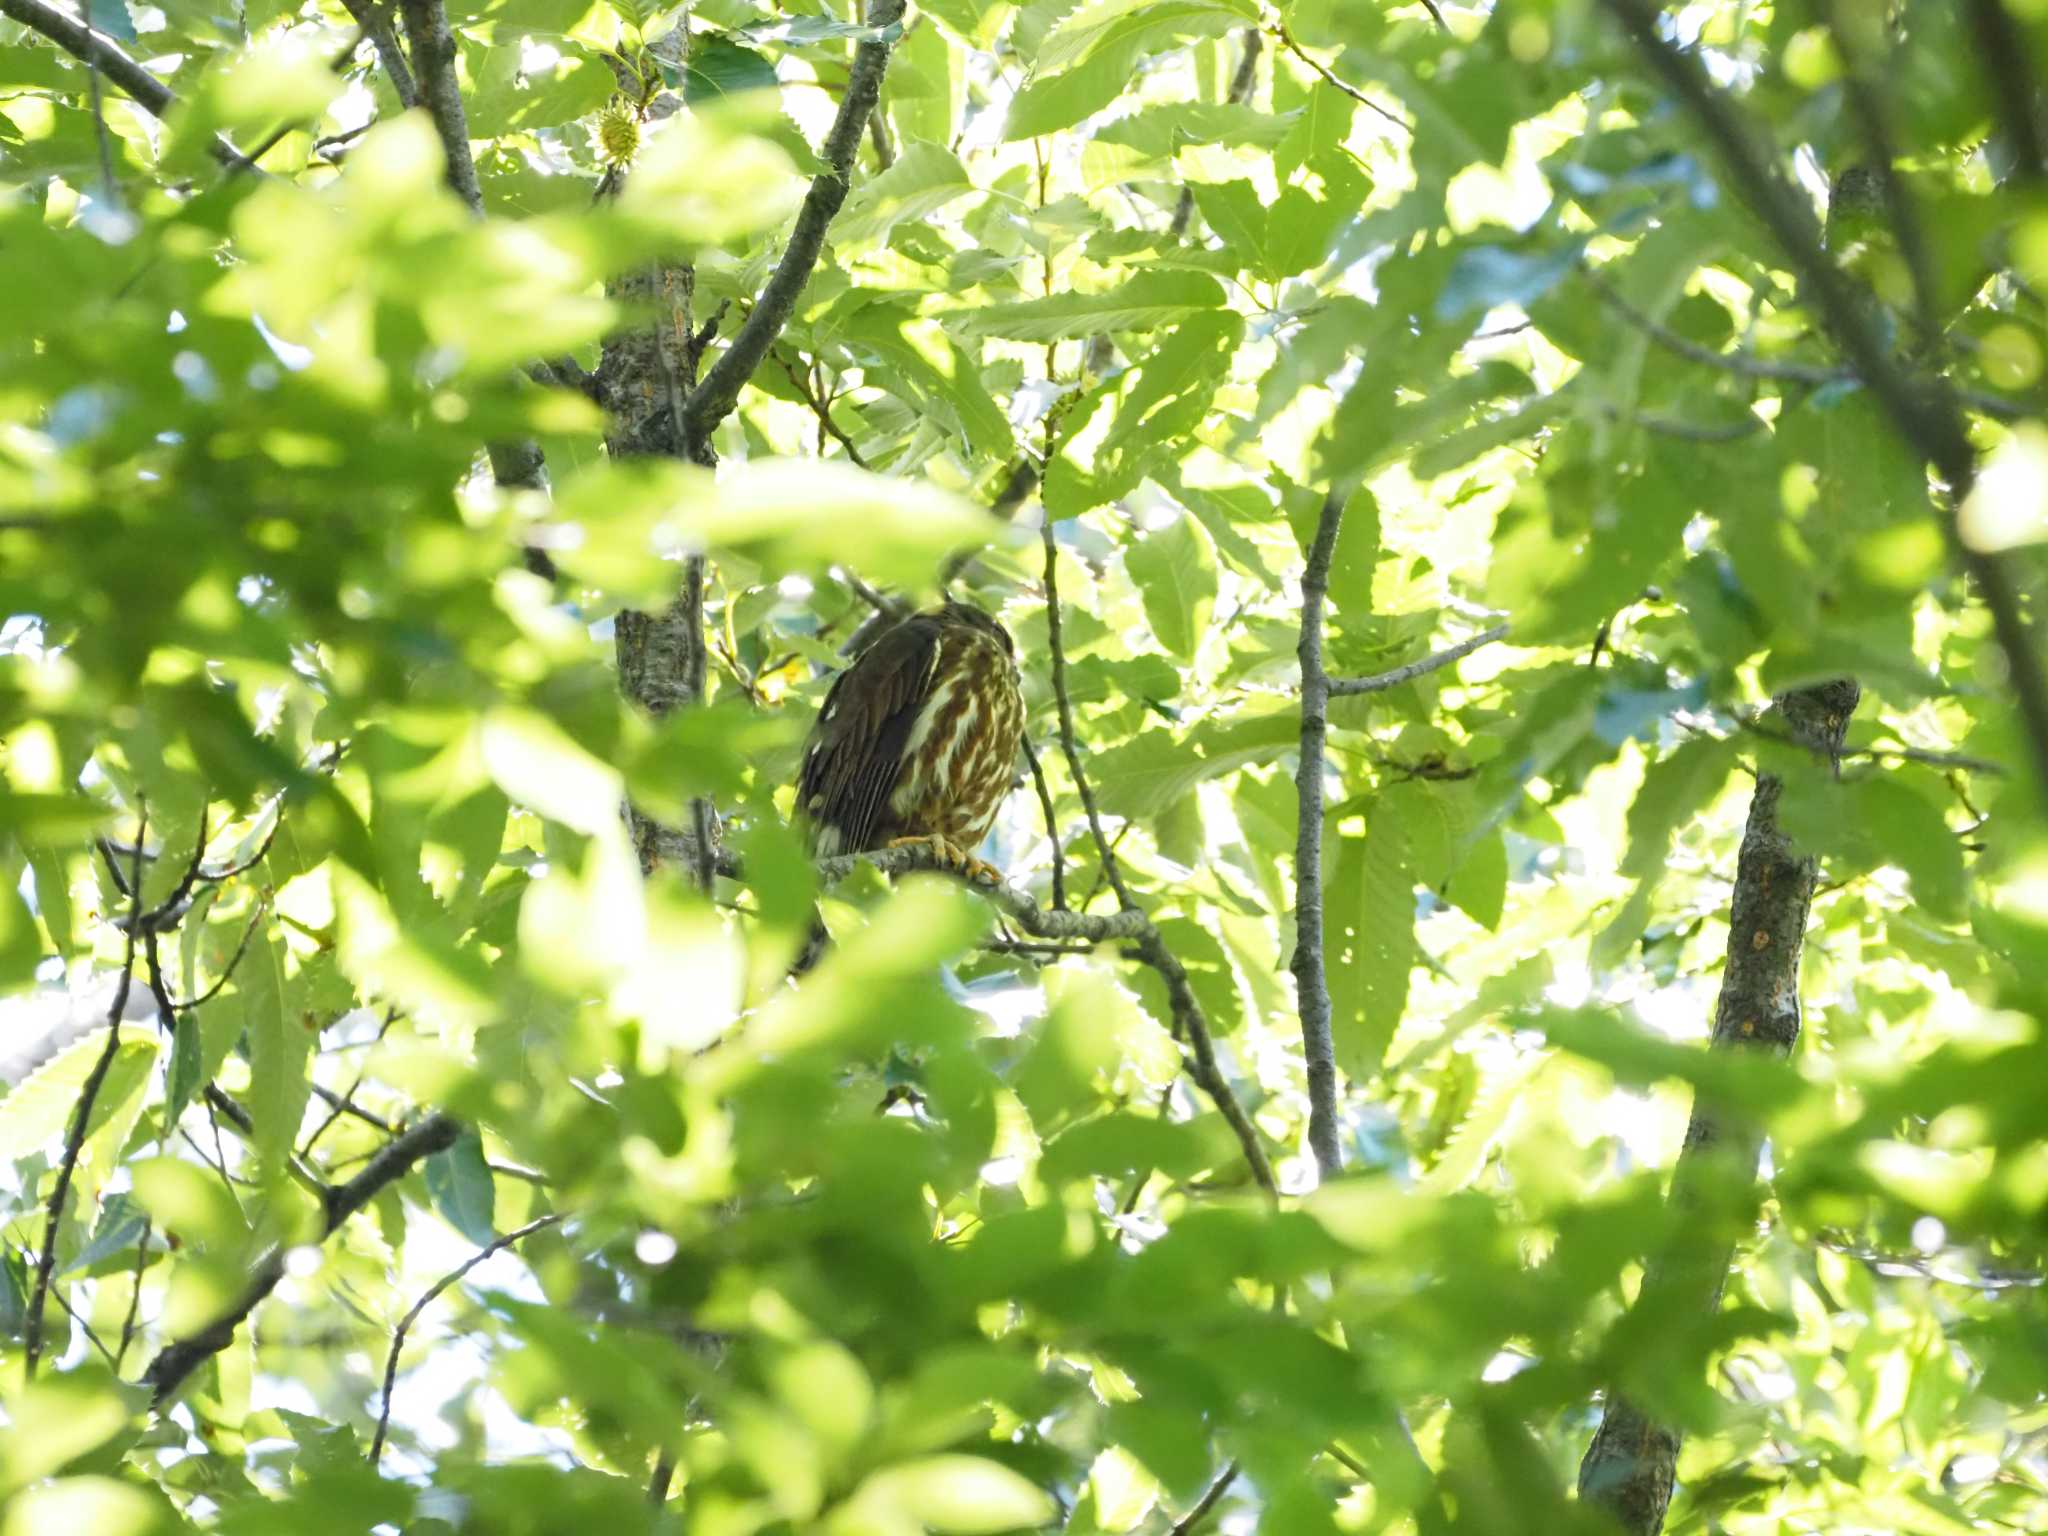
(1311, 982)
(1629, 1468)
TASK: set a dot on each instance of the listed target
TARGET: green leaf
(280, 1047)
(924, 179)
(120, 1224)
(460, 1184)
(1675, 789)
(718, 66)
(110, 17)
(785, 515)
(1148, 302)
(1157, 133)
(1089, 58)
(1369, 939)
(39, 1109)
(185, 1079)
(960, 1495)
(1154, 769)
(1175, 572)
(1234, 212)
(21, 944)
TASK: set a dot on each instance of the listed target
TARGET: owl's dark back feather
(856, 748)
(914, 735)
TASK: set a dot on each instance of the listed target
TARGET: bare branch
(179, 1359)
(1240, 92)
(2003, 51)
(426, 1298)
(1052, 827)
(74, 1138)
(659, 1479)
(1040, 922)
(1869, 98)
(712, 401)
(113, 61)
(1350, 687)
(1311, 983)
(376, 25)
(1279, 30)
(1747, 365)
(1206, 1502)
(433, 57)
(1923, 409)
(518, 463)
(1056, 646)
(1130, 926)
(1629, 1468)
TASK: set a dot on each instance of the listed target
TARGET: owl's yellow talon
(947, 856)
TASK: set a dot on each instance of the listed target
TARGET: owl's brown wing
(856, 750)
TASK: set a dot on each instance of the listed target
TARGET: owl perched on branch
(917, 742)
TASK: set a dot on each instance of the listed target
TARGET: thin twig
(134, 1297)
(1924, 410)
(103, 53)
(1279, 30)
(376, 25)
(1206, 1502)
(2003, 52)
(658, 1481)
(177, 1360)
(1130, 925)
(1351, 687)
(712, 401)
(1869, 98)
(74, 1138)
(1052, 827)
(1069, 743)
(1311, 981)
(1748, 365)
(91, 1336)
(411, 1317)
(822, 409)
(1901, 754)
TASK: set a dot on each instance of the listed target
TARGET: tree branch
(1206, 1502)
(1240, 92)
(426, 1298)
(433, 60)
(113, 61)
(1056, 645)
(1129, 926)
(1189, 1022)
(1747, 365)
(1351, 687)
(517, 463)
(1311, 983)
(1279, 30)
(1629, 1467)
(2002, 49)
(1923, 410)
(1052, 827)
(712, 401)
(376, 25)
(179, 1359)
(74, 1138)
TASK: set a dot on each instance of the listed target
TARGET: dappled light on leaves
(1507, 994)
